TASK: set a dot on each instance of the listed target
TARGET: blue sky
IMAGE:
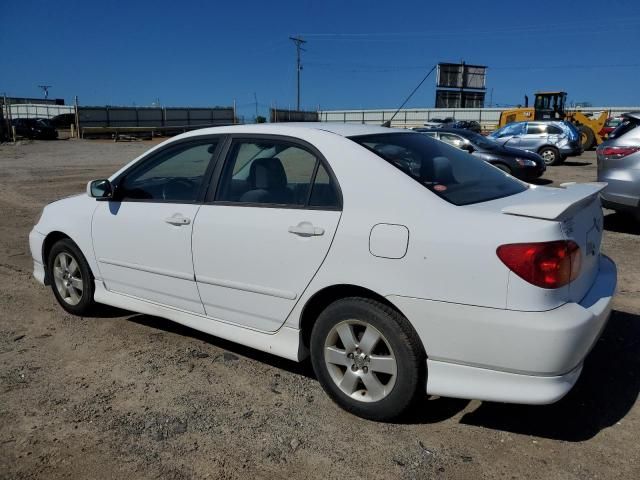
(360, 54)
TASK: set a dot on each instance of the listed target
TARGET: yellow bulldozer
(551, 106)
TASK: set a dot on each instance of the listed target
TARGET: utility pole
(298, 42)
(45, 89)
(255, 97)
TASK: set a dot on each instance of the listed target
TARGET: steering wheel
(178, 189)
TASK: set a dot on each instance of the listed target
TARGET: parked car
(554, 141)
(35, 128)
(619, 166)
(471, 125)
(519, 163)
(381, 253)
(64, 120)
(450, 122)
(610, 125)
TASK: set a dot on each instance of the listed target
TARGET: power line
(354, 67)
(298, 42)
(546, 27)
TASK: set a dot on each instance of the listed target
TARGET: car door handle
(177, 219)
(306, 229)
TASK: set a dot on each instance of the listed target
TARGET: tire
(550, 155)
(71, 279)
(587, 137)
(374, 379)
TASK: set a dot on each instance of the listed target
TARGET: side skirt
(283, 343)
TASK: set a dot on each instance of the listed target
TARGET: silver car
(619, 166)
(553, 141)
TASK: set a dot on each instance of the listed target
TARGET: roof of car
(634, 115)
(461, 131)
(342, 129)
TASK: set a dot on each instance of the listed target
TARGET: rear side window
(553, 130)
(453, 175)
(536, 128)
(274, 172)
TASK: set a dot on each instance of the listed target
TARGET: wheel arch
(49, 241)
(324, 297)
(547, 145)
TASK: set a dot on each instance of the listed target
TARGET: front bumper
(505, 355)
(36, 240)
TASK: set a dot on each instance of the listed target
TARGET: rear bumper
(572, 149)
(623, 188)
(462, 381)
(506, 355)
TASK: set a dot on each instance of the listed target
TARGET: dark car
(63, 120)
(35, 128)
(519, 163)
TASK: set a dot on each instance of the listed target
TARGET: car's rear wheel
(550, 155)
(368, 358)
(71, 278)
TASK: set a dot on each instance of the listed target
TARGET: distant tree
(261, 119)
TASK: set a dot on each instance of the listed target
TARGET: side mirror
(468, 147)
(100, 189)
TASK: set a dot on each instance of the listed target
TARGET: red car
(610, 125)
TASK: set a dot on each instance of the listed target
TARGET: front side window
(451, 174)
(275, 173)
(173, 175)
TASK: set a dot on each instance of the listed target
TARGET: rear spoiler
(550, 203)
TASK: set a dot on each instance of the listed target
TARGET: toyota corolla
(399, 264)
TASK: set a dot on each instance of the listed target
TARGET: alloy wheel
(360, 361)
(68, 278)
(548, 156)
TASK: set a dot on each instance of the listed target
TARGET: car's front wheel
(368, 358)
(71, 278)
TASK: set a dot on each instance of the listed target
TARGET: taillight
(613, 153)
(544, 264)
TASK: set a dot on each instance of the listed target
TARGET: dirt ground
(124, 395)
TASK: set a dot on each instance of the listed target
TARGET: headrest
(267, 174)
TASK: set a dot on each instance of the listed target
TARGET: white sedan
(399, 264)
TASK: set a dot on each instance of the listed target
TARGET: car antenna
(388, 122)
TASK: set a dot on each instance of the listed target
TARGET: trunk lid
(577, 207)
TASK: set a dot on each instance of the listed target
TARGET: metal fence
(408, 118)
(32, 110)
(113, 117)
(281, 115)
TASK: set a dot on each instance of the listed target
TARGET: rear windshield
(626, 126)
(452, 174)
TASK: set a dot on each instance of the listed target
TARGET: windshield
(453, 175)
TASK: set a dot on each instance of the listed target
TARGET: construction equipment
(551, 106)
